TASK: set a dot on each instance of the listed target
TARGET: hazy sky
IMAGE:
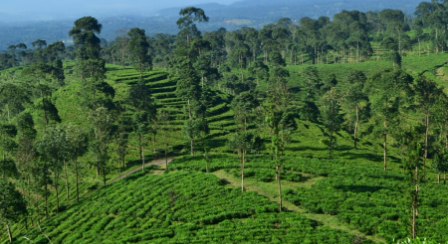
(55, 9)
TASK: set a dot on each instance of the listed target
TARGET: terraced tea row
(180, 207)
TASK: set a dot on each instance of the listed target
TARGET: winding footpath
(154, 162)
(328, 221)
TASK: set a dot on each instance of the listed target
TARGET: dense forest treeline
(348, 36)
(249, 70)
(256, 14)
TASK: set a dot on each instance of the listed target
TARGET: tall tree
(440, 162)
(331, 117)
(355, 100)
(186, 24)
(188, 88)
(312, 82)
(77, 142)
(52, 146)
(139, 46)
(101, 121)
(140, 99)
(426, 94)
(260, 70)
(12, 205)
(26, 155)
(278, 116)
(87, 48)
(389, 88)
(87, 44)
(415, 178)
(45, 78)
(241, 142)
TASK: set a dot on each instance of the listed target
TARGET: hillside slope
(179, 207)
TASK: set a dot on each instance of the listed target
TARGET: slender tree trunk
(97, 166)
(413, 220)
(66, 181)
(37, 209)
(9, 231)
(330, 144)
(414, 208)
(377, 52)
(104, 174)
(357, 52)
(254, 54)
(280, 203)
(426, 139)
(256, 72)
(154, 144)
(191, 147)
(189, 109)
(385, 151)
(143, 159)
(418, 47)
(57, 191)
(242, 75)
(438, 178)
(437, 47)
(140, 153)
(43, 106)
(46, 200)
(31, 220)
(242, 170)
(77, 181)
(399, 41)
(290, 59)
(355, 136)
(166, 159)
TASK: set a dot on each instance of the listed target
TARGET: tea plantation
(180, 207)
(358, 193)
(350, 199)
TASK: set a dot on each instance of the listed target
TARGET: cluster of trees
(37, 155)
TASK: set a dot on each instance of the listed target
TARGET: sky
(26, 10)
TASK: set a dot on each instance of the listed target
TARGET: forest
(317, 131)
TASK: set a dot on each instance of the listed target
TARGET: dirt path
(265, 190)
(330, 221)
(155, 162)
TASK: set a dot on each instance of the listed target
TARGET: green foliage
(331, 117)
(84, 38)
(12, 204)
(138, 45)
(180, 207)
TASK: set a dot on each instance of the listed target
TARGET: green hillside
(324, 131)
(346, 200)
(180, 207)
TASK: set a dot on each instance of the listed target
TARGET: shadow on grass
(366, 156)
(300, 148)
(359, 188)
